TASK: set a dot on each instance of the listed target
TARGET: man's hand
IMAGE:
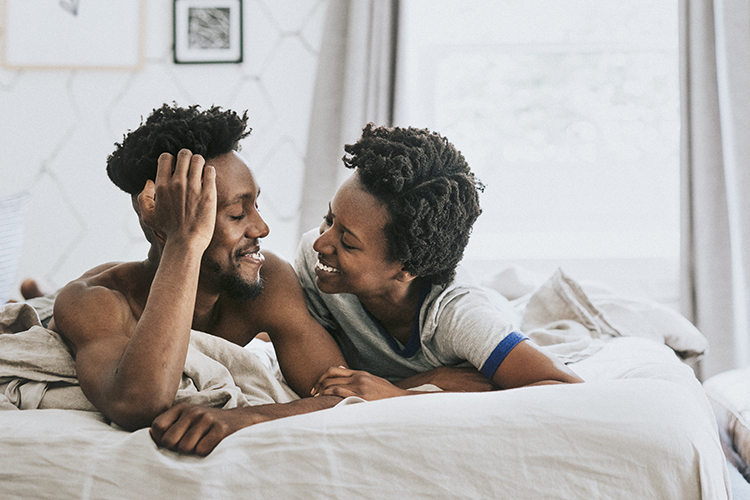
(452, 379)
(191, 429)
(343, 382)
(182, 201)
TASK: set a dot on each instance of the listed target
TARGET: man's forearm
(268, 412)
(149, 371)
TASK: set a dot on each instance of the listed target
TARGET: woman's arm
(343, 382)
(449, 378)
(526, 364)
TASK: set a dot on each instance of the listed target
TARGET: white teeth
(325, 268)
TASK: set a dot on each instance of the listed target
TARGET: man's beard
(239, 289)
(233, 285)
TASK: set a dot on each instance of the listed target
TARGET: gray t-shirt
(460, 324)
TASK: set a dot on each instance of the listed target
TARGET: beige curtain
(715, 163)
(354, 86)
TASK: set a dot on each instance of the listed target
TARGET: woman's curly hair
(429, 191)
(209, 133)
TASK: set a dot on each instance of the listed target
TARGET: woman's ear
(405, 276)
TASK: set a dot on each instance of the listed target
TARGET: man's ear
(152, 236)
(134, 201)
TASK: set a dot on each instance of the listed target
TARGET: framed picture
(207, 31)
(65, 34)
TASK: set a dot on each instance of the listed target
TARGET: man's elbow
(136, 413)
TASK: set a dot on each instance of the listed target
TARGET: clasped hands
(343, 382)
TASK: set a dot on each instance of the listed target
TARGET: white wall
(57, 128)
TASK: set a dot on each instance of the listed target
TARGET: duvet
(640, 427)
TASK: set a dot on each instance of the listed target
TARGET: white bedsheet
(640, 428)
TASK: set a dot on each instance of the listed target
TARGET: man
(129, 324)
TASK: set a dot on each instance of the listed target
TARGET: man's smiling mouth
(255, 257)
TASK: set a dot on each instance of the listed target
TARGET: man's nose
(257, 227)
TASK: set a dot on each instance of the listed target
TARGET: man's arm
(130, 365)
(193, 429)
(305, 350)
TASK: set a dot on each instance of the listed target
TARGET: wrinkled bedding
(37, 370)
(640, 427)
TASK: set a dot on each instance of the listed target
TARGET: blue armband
(501, 351)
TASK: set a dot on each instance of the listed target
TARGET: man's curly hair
(209, 133)
(429, 191)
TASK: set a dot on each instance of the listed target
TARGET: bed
(640, 427)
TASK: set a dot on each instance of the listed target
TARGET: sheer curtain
(715, 163)
(354, 86)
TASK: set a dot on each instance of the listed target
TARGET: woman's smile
(325, 268)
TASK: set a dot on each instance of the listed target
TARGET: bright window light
(568, 111)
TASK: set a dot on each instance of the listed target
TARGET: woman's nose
(322, 243)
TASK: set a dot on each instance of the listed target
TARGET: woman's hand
(343, 382)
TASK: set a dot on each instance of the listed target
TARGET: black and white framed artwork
(208, 31)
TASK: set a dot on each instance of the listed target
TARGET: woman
(380, 275)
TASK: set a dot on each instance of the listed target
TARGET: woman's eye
(237, 217)
(348, 247)
(327, 220)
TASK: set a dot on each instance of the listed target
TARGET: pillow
(605, 312)
(729, 394)
(12, 211)
(636, 317)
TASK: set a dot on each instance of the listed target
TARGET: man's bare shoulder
(276, 267)
(279, 279)
(98, 302)
(281, 299)
(279, 282)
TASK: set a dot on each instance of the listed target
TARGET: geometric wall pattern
(57, 128)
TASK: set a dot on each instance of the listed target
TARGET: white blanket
(37, 370)
(644, 433)
(640, 427)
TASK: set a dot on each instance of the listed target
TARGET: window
(568, 111)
